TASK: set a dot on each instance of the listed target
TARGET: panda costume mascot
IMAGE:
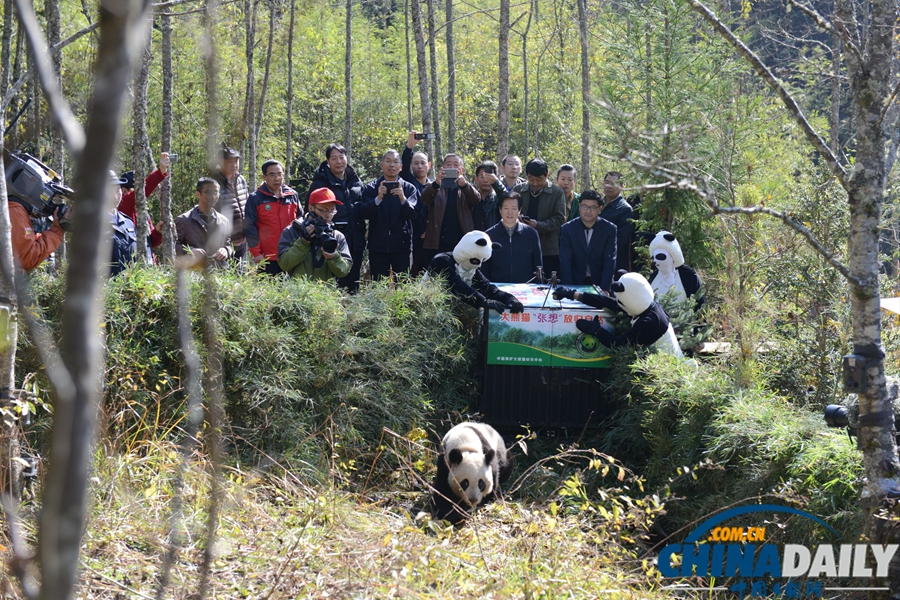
(472, 465)
(466, 281)
(632, 294)
(672, 275)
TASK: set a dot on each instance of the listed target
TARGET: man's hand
(411, 141)
(221, 254)
(329, 255)
(588, 326)
(530, 222)
(164, 162)
(398, 191)
(491, 178)
(311, 230)
(561, 292)
(461, 181)
(258, 259)
(382, 190)
(515, 306)
(496, 305)
(159, 226)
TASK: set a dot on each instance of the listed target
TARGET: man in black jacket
(618, 212)
(389, 203)
(336, 175)
(416, 167)
(516, 252)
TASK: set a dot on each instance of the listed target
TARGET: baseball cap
(323, 196)
(228, 152)
(114, 179)
(128, 176)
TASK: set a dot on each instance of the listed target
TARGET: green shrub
(311, 375)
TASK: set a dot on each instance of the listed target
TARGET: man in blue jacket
(587, 246)
(389, 203)
(518, 256)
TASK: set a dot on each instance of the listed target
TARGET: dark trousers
(351, 281)
(271, 268)
(382, 263)
(418, 263)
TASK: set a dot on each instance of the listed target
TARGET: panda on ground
(631, 293)
(472, 465)
(672, 275)
(464, 277)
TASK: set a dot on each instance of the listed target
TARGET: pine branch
(763, 71)
(826, 25)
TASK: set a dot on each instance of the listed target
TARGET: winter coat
(619, 213)
(124, 242)
(349, 191)
(390, 221)
(29, 248)
(551, 213)
(518, 257)
(266, 217)
(435, 198)
(295, 256)
(127, 204)
(193, 232)
(233, 197)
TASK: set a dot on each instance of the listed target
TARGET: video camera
(847, 415)
(37, 187)
(323, 234)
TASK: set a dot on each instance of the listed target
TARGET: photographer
(29, 248)
(127, 205)
(450, 199)
(389, 203)
(310, 246)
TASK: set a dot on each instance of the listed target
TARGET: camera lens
(836, 416)
(329, 245)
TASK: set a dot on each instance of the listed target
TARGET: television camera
(37, 187)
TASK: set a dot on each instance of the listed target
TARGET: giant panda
(472, 465)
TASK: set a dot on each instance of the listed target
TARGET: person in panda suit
(672, 275)
(631, 293)
(464, 277)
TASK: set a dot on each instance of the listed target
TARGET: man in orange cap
(310, 246)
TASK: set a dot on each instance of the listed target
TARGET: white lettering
(823, 562)
(796, 560)
(844, 560)
(859, 562)
(883, 557)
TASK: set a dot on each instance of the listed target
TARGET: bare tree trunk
(648, 79)
(167, 250)
(585, 97)
(527, 90)
(424, 102)
(10, 444)
(835, 117)
(432, 51)
(65, 492)
(289, 150)
(409, 67)
(139, 148)
(6, 49)
(20, 53)
(451, 80)
(212, 97)
(348, 79)
(265, 82)
(503, 92)
(250, 97)
(51, 12)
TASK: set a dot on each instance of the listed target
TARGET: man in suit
(587, 246)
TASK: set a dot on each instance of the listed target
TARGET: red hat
(323, 196)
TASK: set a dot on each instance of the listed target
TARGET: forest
(220, 433)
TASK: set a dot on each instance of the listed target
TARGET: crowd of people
(538, 225)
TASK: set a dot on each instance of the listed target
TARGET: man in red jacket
(270, 209)
(127, 203)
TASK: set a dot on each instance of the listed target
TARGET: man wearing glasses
(270, 209)
(202, 224)
(587, 246)
(311, 246)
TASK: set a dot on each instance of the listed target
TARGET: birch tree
(432, 51)
(422, 68)
(503, 83)
(451, 79)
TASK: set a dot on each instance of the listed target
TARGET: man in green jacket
(310, 246)
(544, 209)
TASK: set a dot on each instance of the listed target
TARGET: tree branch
(763, 71)
(62, 113)
(826, 25)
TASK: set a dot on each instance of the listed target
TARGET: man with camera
(311, 247)
(544, 209)
(127, 204)
(449, 199)
(487, 213)
(203, 226)
(389, 203)
(233, 195)
(338, 176)
(29, 248)
(512, 168)
(270, 209)
(416, 167)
